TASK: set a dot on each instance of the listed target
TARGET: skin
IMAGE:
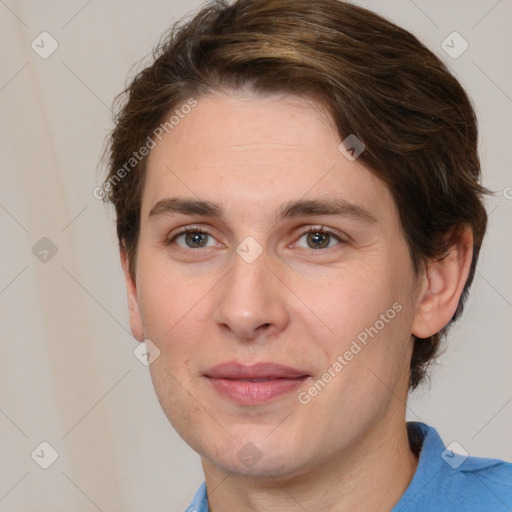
(346, 449)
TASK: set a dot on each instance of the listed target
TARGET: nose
(250, 301)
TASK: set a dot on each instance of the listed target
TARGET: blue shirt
(443, 481)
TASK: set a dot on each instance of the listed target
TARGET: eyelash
(188, 229)
(310, 229)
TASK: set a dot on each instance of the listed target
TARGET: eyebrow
(291, 209)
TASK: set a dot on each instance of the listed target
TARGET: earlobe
(133, 301)
(443, 283)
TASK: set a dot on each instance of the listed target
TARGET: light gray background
(68, 375)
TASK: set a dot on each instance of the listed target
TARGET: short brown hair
(376, 81)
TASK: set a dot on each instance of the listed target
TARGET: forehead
(257, 151)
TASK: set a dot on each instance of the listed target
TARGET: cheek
(169, 300)
(368, 315)
(348, 300)
(366, 364)
(180, 399)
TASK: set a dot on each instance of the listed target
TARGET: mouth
(255, 384)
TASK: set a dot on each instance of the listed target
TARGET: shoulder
(447, 478)
(485, 481)
(478, 485)
(200, 500)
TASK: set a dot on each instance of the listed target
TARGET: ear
(133, 301)
(442, 286)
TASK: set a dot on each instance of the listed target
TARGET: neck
(371, 475)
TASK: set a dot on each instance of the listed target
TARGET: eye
(318, 238)
(193, 238)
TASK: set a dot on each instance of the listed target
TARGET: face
(274, 278)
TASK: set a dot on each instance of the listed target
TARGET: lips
(255, 384)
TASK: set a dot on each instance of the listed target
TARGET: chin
(278, 465)
(254, 454)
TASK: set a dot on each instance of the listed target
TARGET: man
(298, 199)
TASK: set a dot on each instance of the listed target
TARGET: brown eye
(193, 239)
(196, 239)
(318, 239)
